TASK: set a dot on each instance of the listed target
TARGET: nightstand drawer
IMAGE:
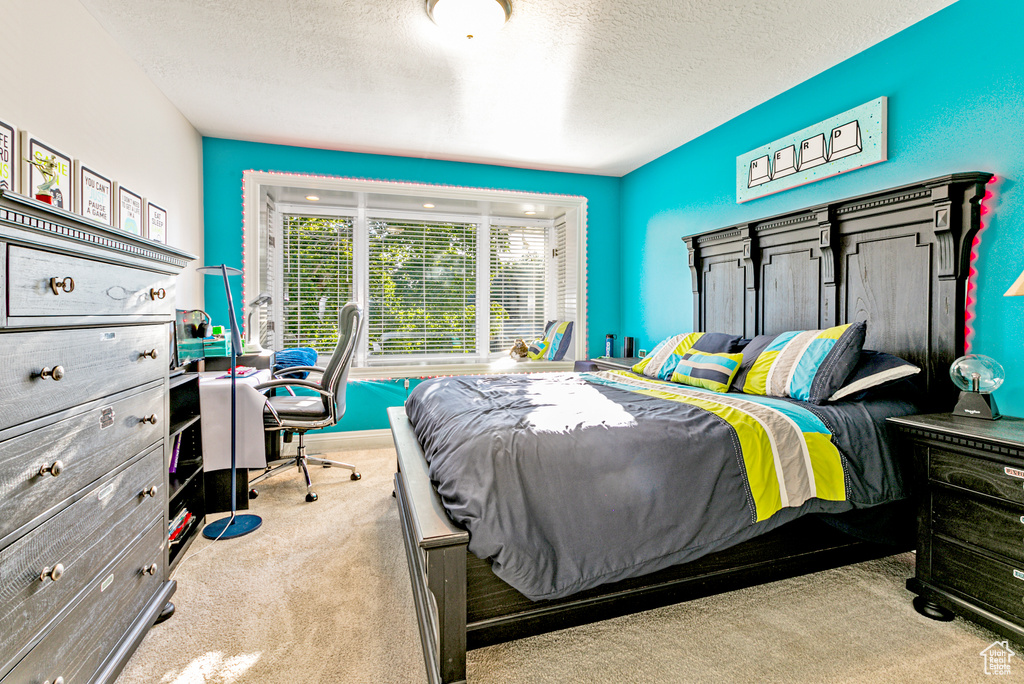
(44, 284)
(986, 524)
(976, 474)
(998, 584)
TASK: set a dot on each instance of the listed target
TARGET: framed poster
(95, 195)
(848, 141)
(129, 211)
(58, 184)
(8, 157)
(156, 223)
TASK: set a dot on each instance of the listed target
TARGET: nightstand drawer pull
(1014, 472)
(57, 284)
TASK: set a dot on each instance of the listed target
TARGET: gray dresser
(84, 349)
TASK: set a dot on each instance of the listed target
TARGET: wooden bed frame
(898, 259)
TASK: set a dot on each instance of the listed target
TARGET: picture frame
(9, 170)
(129, 211)
(156, 223)
(95, 195)
(63, 194)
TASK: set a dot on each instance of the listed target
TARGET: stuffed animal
(519, 350)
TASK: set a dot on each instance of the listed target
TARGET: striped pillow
(663, 359)
(710, 371)
(809, 365)
(556, 342)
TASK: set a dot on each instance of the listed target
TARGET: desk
(215, 402)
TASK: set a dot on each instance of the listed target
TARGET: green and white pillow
(710, 371)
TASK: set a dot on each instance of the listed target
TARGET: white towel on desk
(215, 405)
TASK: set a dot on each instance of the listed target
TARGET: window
(518, 289)
(422, 288)
(453, 285)
(316, 274)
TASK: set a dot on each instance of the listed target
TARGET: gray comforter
(568, 481)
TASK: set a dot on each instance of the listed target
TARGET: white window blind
(518, 268)
(316, 279)
(422, 289)
(565, 270)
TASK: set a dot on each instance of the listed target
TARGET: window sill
(430, 370)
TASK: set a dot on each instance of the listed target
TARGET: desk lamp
(236, 525)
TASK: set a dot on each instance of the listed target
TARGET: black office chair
(297, 414)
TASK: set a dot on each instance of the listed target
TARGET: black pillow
(874, 369)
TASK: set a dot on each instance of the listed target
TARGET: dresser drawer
(82, 539)
(93, 362)
(975, 474)
(998, 584)
(981, 523)
(45, 284)
(77, 646)
(86, 446)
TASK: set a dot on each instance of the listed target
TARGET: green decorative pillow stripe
(710, 371)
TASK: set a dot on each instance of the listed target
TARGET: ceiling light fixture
(470, 17)
(428, 206)
(529, 213)
(312, 198)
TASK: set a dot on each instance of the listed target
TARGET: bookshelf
(187, 496)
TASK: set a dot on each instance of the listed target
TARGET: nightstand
(970, 546)
(606, 363)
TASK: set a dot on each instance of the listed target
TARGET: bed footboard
(436, 552)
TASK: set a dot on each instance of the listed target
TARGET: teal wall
(225, 160)
(955, 83)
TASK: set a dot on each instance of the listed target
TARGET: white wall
(64, 79)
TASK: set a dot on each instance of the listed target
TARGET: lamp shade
(1017, 289)
(469, 18)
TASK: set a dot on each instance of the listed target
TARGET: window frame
(255, 183)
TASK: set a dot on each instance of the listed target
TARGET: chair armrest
(306, 384)
(298, 369)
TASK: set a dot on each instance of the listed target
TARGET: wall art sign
(156, 223)
(95, 195)
(47, 173)
(847, 141)
(129, 211)
(8, 157)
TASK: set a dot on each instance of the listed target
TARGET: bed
(897, 259)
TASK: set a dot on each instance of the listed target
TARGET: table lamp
(235, 525)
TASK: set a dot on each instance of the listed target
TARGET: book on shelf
(181, 526)
(175, 452)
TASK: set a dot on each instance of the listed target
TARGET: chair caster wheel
(394, 495)
(311, 497)
(253, 493)
(356, 476)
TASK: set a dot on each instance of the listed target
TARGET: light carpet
(321, 594)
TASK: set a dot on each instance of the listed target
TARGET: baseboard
(322, 442)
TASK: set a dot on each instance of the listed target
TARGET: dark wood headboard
(898, 259)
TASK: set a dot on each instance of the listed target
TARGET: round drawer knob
(56, 373)
(58, 284)
(55, 469)
(54, 573)
(149, 492)
(157, 294)
(151, 419)
(151, 354)
(58, 680)
(150, 570)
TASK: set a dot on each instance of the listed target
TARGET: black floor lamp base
(237, 526)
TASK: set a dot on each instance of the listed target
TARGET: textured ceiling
(575, 85)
